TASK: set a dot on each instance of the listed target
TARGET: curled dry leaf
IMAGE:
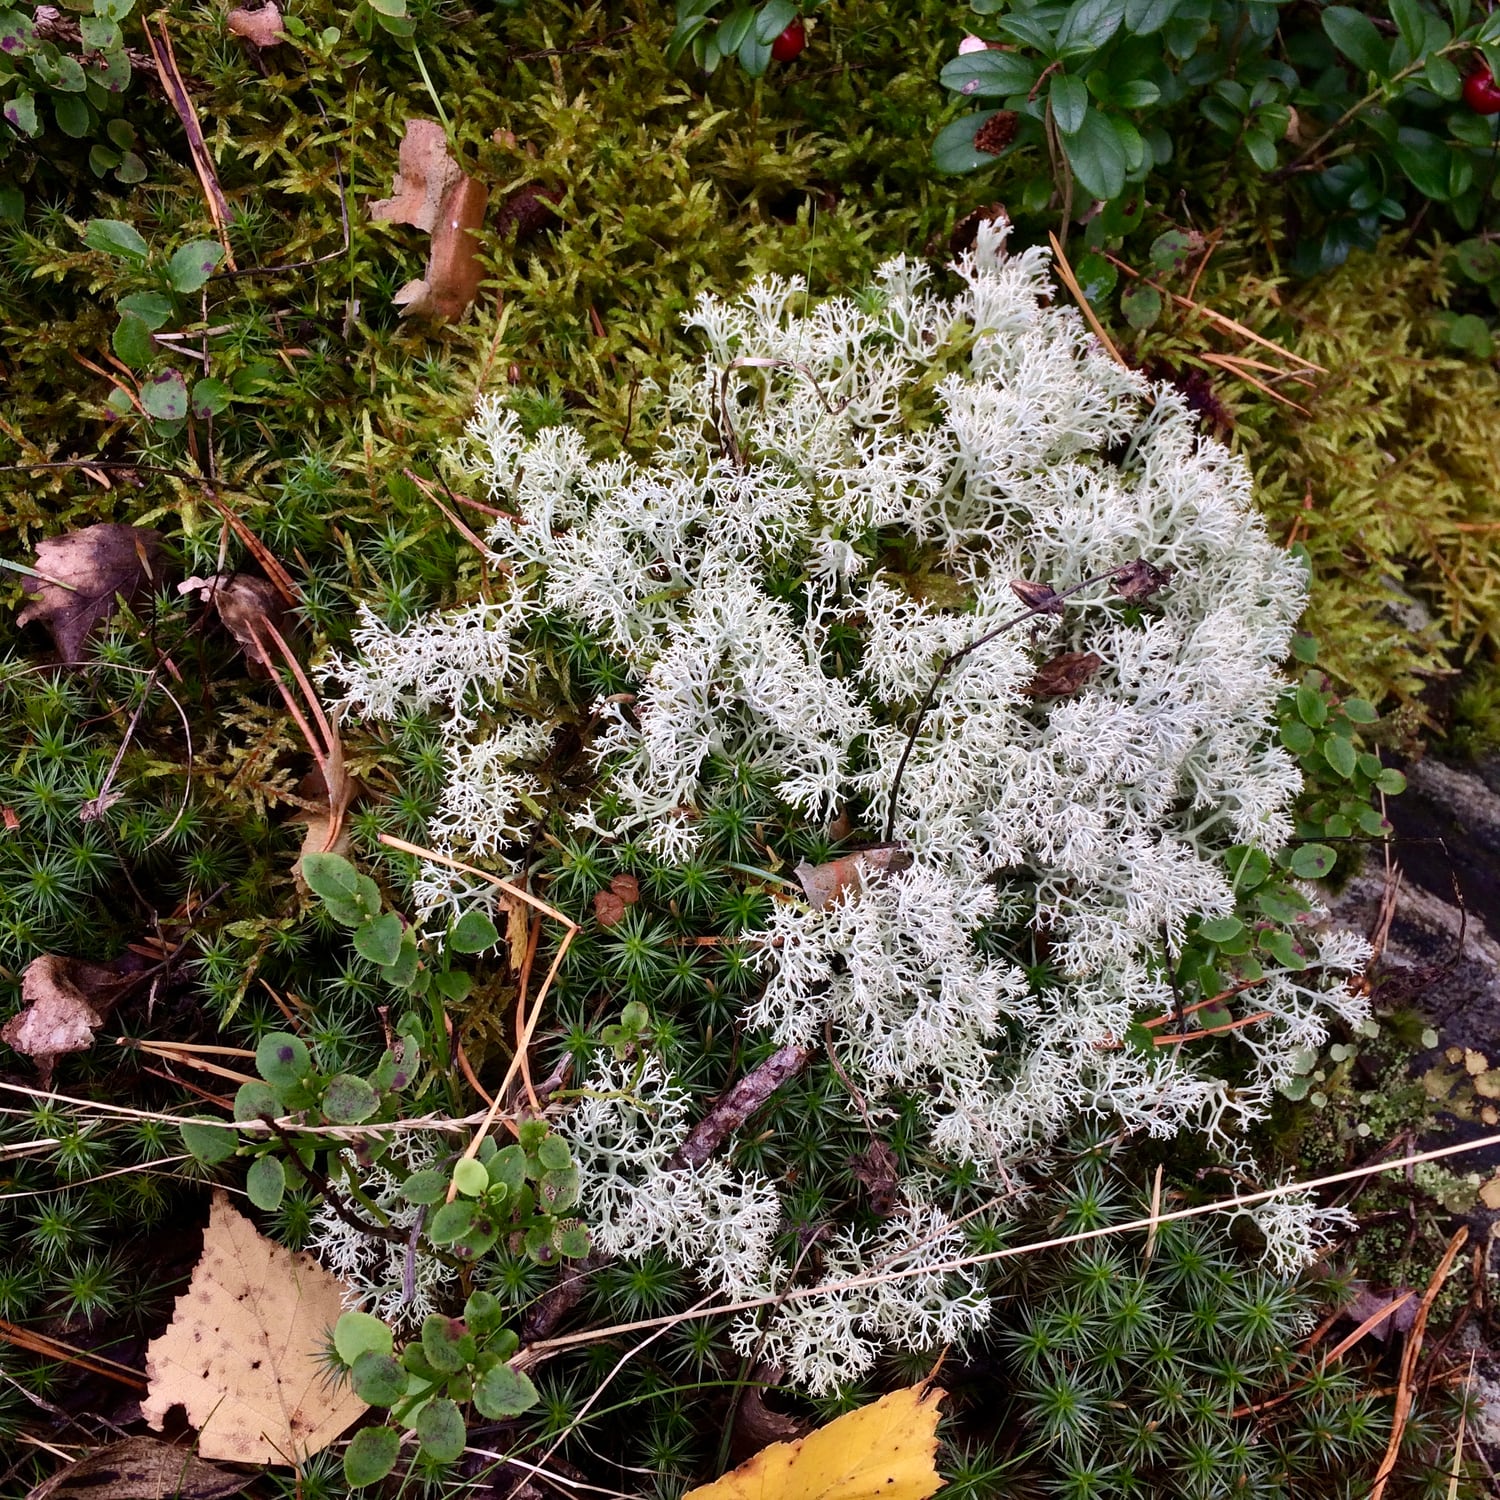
(824, 884)
(1139, 579)
(1041, 597)
(966, 231)
(1066, 674)
(755, 1424)
(261, 28)
(527, 212)
(140, 1468)
(244, 603)
(432, 193)
(83, 574)
(877, 1170)
(884, 1451)
(609, 906)
(66, 1001)
(241, 1355)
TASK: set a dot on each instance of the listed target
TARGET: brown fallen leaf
(527, 212)
(876, 1170)
(1066, 674)
(1139, 579)
(883, 1451)
(83, 574)
(966, 231)
(140, 1468)
(66, 1003)
(241, 1355)
(261, 28)
(755, 1424)
(1041, 597)
(244, 603)
(432, 193)
(610, 906)
(824, 884)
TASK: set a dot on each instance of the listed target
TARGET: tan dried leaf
(1489, 1193)
(140, 1468)
(261, 28)
(241, 1353)
(824, 884)
(66, 1003)
(1066, 674)
(83, 574)
(244, 603)
(517, 933)
(432, 193)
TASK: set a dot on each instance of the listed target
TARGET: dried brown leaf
(83, 574)
(140, 1468)
(1041, 597)
(432, 193)
(609, 906)
(877, 1170)
(1139, 579)
(261, 28)
(244, 603)
(66, 1003)
(241, 1353)
(824, 884)
(1066, 674)
(755, 1424)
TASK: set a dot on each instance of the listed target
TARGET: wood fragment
(733, 1107)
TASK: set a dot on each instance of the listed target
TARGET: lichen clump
(841, 495)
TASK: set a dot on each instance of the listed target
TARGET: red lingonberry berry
(788, 46)
(1482, 93)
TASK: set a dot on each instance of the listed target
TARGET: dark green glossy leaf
(378, 1379)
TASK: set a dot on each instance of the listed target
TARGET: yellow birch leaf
(883, 1451)
(240, 1355)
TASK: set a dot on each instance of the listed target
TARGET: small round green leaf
(378, 1379)
(165, 396)
(358, 1333)
(371, 1456)
(1313, 861)
(150, 307)
(451, 1221)
(440, 1340)
(470, 1177)
(1340, 754)
(440, 1425)
(131, 340)
(349, 1099)
(1221, 929)
(254, 1099)
(1141, 305)
(330, 876)
(553, 1154)
(504, 1392)
(427, 1186)
(266, 1182)
(193, 264)
(1391, 782)
(115, 237)
(210, 397)
(282, 1059)
(474, 932)
(209, 1143)
(379, 940)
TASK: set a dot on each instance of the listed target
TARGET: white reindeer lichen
(991, 429)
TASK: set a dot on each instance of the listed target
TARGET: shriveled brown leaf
(876, 1170)
(757, 1425)
(261, 28)
(824, 884)
(84, 573)
(66, 1003)
(610, 906)
(241, 1355)
(432, 193)
(517, 932)
(244, 603)
(1041, 597)
(1367, 1302)
(1066, 674)
(140, 1468)
(1139, 579)
(966, 231)
(526, 212)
